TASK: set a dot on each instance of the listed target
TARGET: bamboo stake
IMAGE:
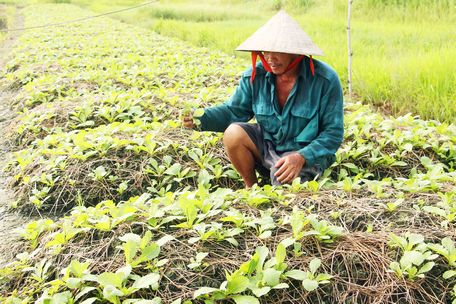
(350, 52)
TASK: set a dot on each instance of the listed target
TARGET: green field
(403, 50)
(134, 208)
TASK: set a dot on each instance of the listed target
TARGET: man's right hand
(188, 122)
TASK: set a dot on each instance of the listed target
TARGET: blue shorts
(269, 156)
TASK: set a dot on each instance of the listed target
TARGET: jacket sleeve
(332, 127)
(237, 109)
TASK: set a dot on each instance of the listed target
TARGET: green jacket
(310, 123)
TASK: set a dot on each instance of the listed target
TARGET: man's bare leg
(242, 153)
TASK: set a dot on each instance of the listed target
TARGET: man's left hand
(290, 167)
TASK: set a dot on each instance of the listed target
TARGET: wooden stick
(350, 52)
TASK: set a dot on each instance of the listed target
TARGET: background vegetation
(404, 59)
(6, 18)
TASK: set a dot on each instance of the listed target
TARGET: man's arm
(237, 109)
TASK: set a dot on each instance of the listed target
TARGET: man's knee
(234, 135)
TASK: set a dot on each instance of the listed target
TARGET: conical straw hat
(281, 34)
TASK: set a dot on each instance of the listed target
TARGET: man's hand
(190, 117)
(188, 122)
(290, 167)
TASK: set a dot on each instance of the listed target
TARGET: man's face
(279, 61)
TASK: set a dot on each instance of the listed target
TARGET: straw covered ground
(133, 208)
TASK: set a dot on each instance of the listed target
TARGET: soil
(10, 221)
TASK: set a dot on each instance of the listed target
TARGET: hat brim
(283, 35)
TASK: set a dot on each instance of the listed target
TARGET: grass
(403, 55)
(403, 61)
(200, 34)
(3, 22)
(7, 14)
(403, 73)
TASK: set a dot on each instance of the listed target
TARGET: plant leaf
(198, 113)
(245, 300)
(281, 286)
(309, 285)
(296, 274)
(271, 277)
(449, 274)
(426, 267)
(151, 279)
(281, 253)
(262, 252)
(203, 290)
(259, 292)
(411, 258)
(150, 252)
(165, 239)
(314, 265)
(323, 277)
(110, 279)
(89, 300)
(73, 283)
(237, 284)
(83, 292)
(110, 292)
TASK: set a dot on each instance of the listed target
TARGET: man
(297, 103)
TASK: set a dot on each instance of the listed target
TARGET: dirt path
(9, 221)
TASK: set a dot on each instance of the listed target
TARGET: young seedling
(311, 280)
(416, 260)
(198, 260)
(194, 113)
(448, 251)
(257, 275)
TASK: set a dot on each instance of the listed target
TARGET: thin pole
(350, 52)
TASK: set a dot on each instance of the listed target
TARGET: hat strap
(263, 61)
(266, 66)
(312, 67)
(294, 63)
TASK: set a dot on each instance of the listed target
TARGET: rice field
(404, 59)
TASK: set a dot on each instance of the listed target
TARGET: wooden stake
(350, 52)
